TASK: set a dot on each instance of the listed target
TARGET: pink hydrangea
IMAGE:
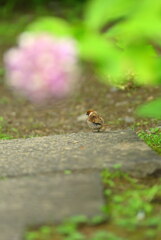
(42, 67)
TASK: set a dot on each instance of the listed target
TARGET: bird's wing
(97, 119)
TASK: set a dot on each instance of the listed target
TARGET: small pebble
(82, 118)
(140, 216)
(129, 119)
(130, 110)
(114, 89)
(121, 103)
(150, 98)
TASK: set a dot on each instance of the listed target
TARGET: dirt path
(20, 118)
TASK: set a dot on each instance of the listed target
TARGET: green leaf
(66, 228)
(76, 236)
(78, 219)
(93, 47)
(143, 62)
(112, 70)
(97, 219)
(55, 26)
(67, 172)
(104, 53)
(142, 20)
(117, 166)
(32, 235)
(101, 235)
(46, 230)
(99, 13)
(152, 109)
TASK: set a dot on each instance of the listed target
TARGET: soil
(24, 119)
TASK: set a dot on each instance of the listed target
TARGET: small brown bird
(94, 121)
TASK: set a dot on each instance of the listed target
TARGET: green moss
(152, 138)
(131, 212)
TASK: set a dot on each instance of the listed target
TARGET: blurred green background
(121, 37)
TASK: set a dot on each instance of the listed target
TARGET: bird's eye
(87, 113)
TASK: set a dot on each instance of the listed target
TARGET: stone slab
(78, 151)
(29, 201)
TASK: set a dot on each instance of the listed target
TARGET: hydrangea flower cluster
(42, 67)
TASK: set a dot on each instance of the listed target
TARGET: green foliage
(121, 20)
(10, 5)
(10, 29)
(120, 37)
(3, 135)
(32, 235)
(99, 13)
(44, 233)
(97, 220)
(132, 28)
(104, 235)
(70, 229)
(56, 26)
(92, 47)
(131, 207)
(67, 172)
(1, 71)
(115, 51)
(152, 109)
(152, 138)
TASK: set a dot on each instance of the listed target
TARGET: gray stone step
(34, 189)
(76, 152)
(29, 201)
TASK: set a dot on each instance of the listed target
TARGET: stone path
(35, 189)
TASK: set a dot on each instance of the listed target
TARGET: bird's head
(89, 112)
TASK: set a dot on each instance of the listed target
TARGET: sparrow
(94, 121)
